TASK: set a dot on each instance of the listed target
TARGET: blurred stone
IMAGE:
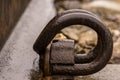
(118, 18)
(71, 4)
(104, 4)
(116, 34)
(117, 0)
(74, 31)
(60, 36)
(79, 49)
(111, 25)
(111, 18)
(115, 59)
(85, 37)
(60, 10)
(58, 4)
(116, 49)
(88, 38)
(85, 1)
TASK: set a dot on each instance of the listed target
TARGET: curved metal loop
(87, 64)
(79, 58)
(86, 58)
(80, 11)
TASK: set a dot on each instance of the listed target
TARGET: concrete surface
(17, 57)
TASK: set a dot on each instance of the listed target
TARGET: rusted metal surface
(80, 58)
(62, 52)
(85, 64)
(46, 62)
(76, 68)
(86, 58)
(10, 11)
(63, 77)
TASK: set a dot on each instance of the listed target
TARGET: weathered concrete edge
(17, 57)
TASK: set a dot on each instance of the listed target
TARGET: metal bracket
(61, 59)
(62, 52)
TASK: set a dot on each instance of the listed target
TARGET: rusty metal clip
(81, 64)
